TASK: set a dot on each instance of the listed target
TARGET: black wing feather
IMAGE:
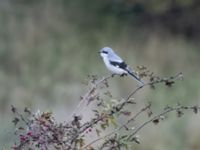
(121, 65)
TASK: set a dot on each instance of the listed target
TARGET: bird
(116, 65)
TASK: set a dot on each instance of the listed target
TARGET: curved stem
(86, 96)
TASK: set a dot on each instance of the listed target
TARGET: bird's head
(104, 52)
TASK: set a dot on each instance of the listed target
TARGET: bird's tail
(135, 77)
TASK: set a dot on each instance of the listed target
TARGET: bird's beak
(99, 52)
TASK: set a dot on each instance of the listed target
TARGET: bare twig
(86, 97)
(164, 80)
(166, 111)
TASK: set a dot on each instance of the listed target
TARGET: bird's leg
(113, 75)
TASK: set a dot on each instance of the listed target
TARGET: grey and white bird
(116, 65)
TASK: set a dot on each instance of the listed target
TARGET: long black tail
(135, 77)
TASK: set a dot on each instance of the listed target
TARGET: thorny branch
(157, 117)
(119, 128)
(156, 80)
(88, 95)
(121, 105)
(71, 135)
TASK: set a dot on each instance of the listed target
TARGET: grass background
(47, 49)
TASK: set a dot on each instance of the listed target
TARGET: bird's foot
(113, 75)
(124, 74)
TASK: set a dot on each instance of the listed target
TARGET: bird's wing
(121, 65)
(115, 58)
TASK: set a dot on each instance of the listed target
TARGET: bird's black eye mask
(104, 52)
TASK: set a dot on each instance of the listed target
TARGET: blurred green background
(48, 47)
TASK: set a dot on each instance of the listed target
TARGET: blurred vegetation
(47, 48)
